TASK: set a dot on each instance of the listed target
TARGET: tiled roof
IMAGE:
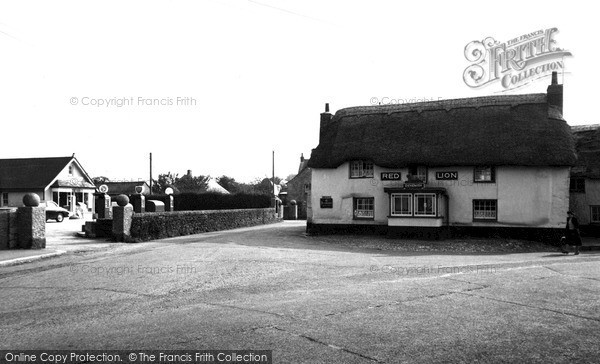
(30, 173)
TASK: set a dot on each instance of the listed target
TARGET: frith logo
(514, 63)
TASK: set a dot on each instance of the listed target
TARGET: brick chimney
(555, 93)
(325, 121)
(301, 157)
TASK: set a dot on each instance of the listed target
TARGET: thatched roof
(587, 144)
(496, 130)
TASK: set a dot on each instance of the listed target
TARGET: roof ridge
(475, 102)
(32, 158)
(585, 127)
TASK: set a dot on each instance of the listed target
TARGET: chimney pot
(327, 107)
(189, 172)
(555, 78)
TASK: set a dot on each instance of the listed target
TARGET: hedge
(215, 201)
(159, 225)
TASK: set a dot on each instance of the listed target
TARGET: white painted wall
(15, 199)
(527, 196)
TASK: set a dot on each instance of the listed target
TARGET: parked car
(54, 212)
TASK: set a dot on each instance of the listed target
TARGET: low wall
(158, 225)
(8, 229)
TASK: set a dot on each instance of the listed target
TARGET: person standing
(572, 231)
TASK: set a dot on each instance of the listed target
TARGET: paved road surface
(272, 287)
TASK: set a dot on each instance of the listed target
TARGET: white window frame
(410, 204)
(361, 169)
(4, 202)
(364, 214)
(597, 220)
(434, 203)
(485, 218)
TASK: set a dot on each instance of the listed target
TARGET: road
(272, 287)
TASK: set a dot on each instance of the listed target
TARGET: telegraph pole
(274, 173)
(150, 173)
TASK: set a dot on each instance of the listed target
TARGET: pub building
(484, 166)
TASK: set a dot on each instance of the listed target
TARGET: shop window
(4, 199)
(418, 173)
(361, 169)
(595, 214)
(577, 185)
(425, 204)
(484, 174)
(485, 210)
(364, 208)
(401, 204)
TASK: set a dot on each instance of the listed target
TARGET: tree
(264, 186)
(228, 183)
(189, 183)
(164, 181)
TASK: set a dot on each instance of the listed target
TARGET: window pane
(355, 169)
(484, 209)
(483, 174)
(402, 204)
(595, 212)
(422, 173)
(368, 169)
(364, 208)
(425, 204)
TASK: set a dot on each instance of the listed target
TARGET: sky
(214, 86)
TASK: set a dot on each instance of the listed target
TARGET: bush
(158, 225)
(215, 201)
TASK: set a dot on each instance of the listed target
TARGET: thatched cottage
(485, 165)
(585, 178)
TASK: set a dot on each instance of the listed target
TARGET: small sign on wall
(326, 202)
(446, 175)
(391, 176)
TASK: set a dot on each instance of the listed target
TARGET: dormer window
(484, 174)
(418, 173)
(361, 169)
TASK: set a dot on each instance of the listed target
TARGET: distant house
(298, 188)
(126, 188)
(213, 186)
(62, 180)
(584, 185)
(477, 166)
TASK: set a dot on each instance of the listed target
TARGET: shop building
(496, 165)
(62, 180)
